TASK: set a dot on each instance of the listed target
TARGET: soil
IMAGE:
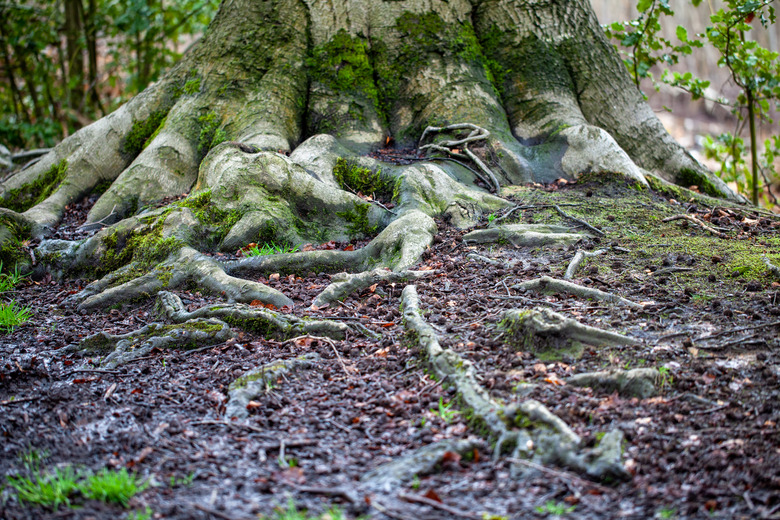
(705, 446)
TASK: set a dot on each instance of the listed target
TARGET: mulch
(706, 446)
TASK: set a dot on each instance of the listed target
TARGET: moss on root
(142, 131)
(352, 177)
(145, 248)
(208, 214)
(25, 197)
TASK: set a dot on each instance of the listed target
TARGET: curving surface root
(260, 380)
(529, 429)
(524, 235)
(124, 348)
(269, 323)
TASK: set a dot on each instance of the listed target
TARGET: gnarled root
(261, 380)
(639, 382)
(552, 441)
(549, 285)
(269, 323)
(123, 348)
(344, 284)
(420, 462)
(524, 326)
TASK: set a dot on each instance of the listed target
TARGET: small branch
(670, 270)
(698, 222)
(438, 505)
(578, 221)
(216, 513)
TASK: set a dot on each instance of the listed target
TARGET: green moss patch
(210, 133)
(208, 214)
(343, 65)
(142, 131)
(23, 198)
(354, 178)
(357, 221)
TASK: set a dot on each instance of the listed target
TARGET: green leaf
(682, 33)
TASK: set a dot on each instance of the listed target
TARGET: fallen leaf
(372, 288)
(252, 405)
(432, 495)
(350, 247)
(274, 277)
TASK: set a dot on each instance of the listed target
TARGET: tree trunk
(74, 14)
(265, 123)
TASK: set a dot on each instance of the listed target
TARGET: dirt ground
(705, 446)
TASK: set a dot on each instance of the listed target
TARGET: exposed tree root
(124, 348)
(771, 267)
(639, 382)
(552, 330)
(577, 260)
(343, 284)
(524, 235)
(551, 441)
(423, 461)
(549, 285)
(260, 380)
(398, 247)
(449, 147)
(270, 324)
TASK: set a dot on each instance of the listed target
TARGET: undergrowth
(11, 314)
(357, 179)
(53, 489)
(269, 248)
(292, 513)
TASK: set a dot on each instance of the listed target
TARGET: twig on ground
(216, 513)
(17, 401)
(95, 371)
(738, 329)
(238, 425)
(701, 224)
(438, 505)
(578, 221)
(346, 494)
(562, 474)
(670, 270)
(477, 134)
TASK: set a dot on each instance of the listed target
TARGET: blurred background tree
(723, 53)
(65, 63)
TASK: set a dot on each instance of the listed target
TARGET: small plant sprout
(146, 514)
(665, 376)
(270, 248)
(12, 315)
(292, 513)
(666, 513)
(555, 508)
(46, 489)
(445, 411)
(491, 218)
(116, 487)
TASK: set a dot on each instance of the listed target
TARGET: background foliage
(65, 63)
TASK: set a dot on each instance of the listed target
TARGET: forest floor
(706, 446)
